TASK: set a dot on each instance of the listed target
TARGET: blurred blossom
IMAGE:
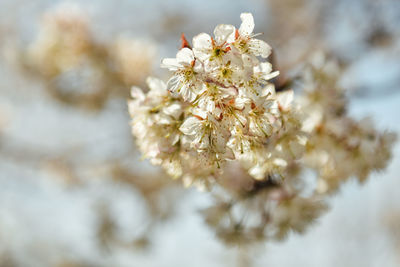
(77, 68)
(339, 147)
(63, 40)
(133, 59)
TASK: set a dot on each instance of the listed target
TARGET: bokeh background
(73, 188)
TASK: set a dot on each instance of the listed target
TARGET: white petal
(137, 93)
(227, 92)
(268, 104)
(202, 41)
(163, 119)
(187, 93)
(156, 84)
(249, 61)
(266, 128)
(207, 103)
(198, 67)
(219, 140)
(185, 56)
(232, 37)
(200, 113)
(174, 83)
(240, 102)
(271, 75)
(259, 48)
(201, 141)
(201, 54)
(264, 67)
(190, 126)
(174, 110)
(247, 26)
(269, 89)
(285, 99)
(170, 63)
(219, 144)
(222, 32)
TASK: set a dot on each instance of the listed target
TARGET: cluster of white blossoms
(219, 121)
(218, 106)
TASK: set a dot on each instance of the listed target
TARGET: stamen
(237, 34)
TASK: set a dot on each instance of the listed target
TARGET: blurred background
(74, 190)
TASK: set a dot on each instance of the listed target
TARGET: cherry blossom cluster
(218, 106)
(220, 121)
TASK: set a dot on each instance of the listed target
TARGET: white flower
(263, 118)
(207, 48)
(185, 81)
(208, 134)
(244, 41)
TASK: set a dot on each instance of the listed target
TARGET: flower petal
(187, 92)
(156, 84)
(259, 48)
(137, 93)
(264, 67)
(202, 41)
(174, 83)
(285, 99)
(185, 56)
(202, 46)
(190, 126)
(170, 63)
(271, 75)
(174, 110)
(222, 32)
(247, 26)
